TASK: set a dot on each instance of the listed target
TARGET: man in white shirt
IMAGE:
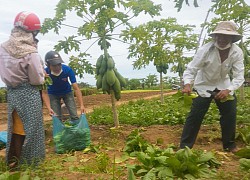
(216, 70)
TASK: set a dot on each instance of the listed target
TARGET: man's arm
(238, 71)
(79, 97)
(46, 101)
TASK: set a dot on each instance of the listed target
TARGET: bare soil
(114, 141)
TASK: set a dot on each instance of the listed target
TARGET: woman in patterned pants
(22, 71)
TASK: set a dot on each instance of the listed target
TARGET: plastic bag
(3, 139)
(71, 137)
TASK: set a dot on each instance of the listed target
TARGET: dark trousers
(193, 122)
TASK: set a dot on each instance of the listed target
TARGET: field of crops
(146, 145)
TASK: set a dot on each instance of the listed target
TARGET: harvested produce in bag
(71, 138)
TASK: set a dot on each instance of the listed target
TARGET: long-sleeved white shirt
(207, 72)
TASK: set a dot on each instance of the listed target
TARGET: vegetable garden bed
(106, 159)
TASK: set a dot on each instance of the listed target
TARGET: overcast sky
(45, 8)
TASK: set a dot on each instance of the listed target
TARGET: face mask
(220, 48)
(56, 74)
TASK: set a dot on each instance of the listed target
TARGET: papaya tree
(151, 80)
(134, 84)
(181, 59)
(161, 42)
(100, 18)
(162, 69)
(179, 3)
(180, 67)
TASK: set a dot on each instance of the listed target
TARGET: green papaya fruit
(117, 86)
(99, 62)
(120, 78)
(117, 89)
(99, 81)
(111, 77)
(105, 86)
(110, 63)
(103, 67)
(117, 95)
(158, 68)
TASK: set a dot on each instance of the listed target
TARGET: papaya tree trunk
(161, 87)
(115, 115)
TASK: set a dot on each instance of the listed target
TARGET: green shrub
(3, 95)
(88, 91)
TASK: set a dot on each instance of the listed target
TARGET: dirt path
(90, 102)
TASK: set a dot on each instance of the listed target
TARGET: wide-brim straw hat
(228, 28)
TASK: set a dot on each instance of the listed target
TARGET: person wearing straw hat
(215, 72)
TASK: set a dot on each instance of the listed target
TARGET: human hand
(187, 89)
(51, 112)
(45, 73)
(223, 94)
(83, 110)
